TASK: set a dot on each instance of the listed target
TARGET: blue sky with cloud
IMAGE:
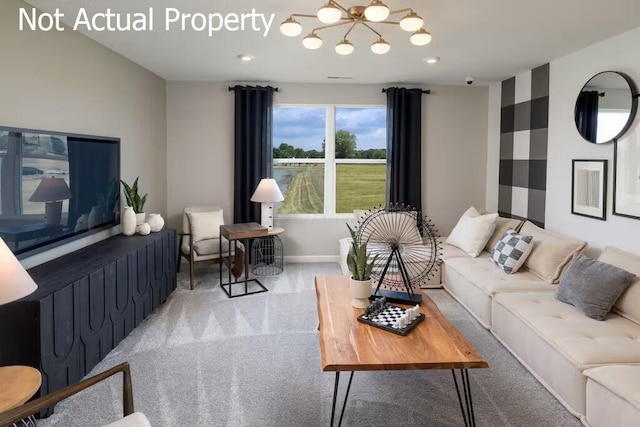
(304, 127)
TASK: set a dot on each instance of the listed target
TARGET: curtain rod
(275, 89)
(428, 92)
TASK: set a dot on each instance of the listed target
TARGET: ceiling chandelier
(333, 14)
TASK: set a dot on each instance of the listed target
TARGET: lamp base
(53, 213)
(266, 215)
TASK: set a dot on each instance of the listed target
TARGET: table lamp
(267, 193)
(18, 382)
(52, 191)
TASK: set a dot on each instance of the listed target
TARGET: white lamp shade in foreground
(267, 192)
(312, 41)
(420, 37)
(380, 47)
(329, 14)
(344, 48)
(290, 27)
(411, 22)
(15, 282)
(377, 11)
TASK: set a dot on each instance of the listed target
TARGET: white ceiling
(488, 39)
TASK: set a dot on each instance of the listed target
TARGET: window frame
(329, 160)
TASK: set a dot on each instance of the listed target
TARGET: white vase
(143, 229)
(95, 217)
(141, 218)
(128, 222)
(360, 292)
(156, 222)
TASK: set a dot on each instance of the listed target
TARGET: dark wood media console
(86, 303)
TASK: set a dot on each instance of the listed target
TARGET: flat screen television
(56, 187)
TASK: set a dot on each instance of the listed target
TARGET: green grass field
(359, 186)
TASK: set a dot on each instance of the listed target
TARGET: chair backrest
(203, 208)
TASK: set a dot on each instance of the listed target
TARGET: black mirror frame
(632, 112)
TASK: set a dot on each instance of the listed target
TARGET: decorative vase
(81, 223)
(360, 292)
(141, 218)
(128, 222)
(95, 217)
(156, 222)
(143, 229)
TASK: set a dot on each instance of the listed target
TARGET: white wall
(200, 153)
(63, 81)
(568, 75)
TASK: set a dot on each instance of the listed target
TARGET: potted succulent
(360, 268)
(134, 200)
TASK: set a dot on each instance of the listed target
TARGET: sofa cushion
(583, 341)
(450, 251)
(472, 231)
(551, 252)
(623, 380)
(502, 225)
(628, 305)
(483, 274)
(511, 251)
(205, 225)
(592, 286)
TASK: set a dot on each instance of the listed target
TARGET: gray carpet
(205, 360)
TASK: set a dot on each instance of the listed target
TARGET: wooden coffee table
(347, 345)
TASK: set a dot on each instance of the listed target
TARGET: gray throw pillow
(592, 286)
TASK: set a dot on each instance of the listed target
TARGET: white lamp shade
(377, 11)
(267, 192)
(411, 22)
(329, 14)
(15, 282)
(312, 41)
(344, 48)
(420, 37)
(290, 27)
(380, 47)
(51, 190)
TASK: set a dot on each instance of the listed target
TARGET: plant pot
(128, 222)
(360, 292)
(141, 218)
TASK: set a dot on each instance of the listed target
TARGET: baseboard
(299, 259)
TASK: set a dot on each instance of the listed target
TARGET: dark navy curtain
(404, 140)
(587, 114)
(253, 147)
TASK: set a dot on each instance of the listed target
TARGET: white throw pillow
(205, 225)
(472, 231)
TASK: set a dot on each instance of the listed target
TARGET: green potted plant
(360, 268)
(134, 200)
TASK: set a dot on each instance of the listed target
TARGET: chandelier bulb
(345, 47)
(290, 27)
(380, 47)
(421, 37)
(411, 22)
(329, 13)
(312, 41)
(376, 11)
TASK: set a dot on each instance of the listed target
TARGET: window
(329, 159)
(610, 123)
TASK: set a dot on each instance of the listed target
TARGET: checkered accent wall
(523, 146)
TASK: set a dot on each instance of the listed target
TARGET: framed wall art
(626, 178)
(589, 188)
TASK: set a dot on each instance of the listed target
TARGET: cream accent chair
(130, 417)
(202, 249)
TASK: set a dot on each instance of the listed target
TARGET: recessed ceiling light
(245, 58)
(431, 60)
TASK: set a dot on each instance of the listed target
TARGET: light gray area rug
(205, 360)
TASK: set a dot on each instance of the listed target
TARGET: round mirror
(606, 107)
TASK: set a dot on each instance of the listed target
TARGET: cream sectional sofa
(592, 367)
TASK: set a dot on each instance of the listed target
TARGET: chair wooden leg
(191, 268)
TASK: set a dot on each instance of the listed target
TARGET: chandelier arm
(337, 24)
(303, 15)
(406, 9)
(369, 27)
(388, 22)
(354, 24)
(339, 6)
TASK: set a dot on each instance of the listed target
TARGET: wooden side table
(234, 233)
(17, 385)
